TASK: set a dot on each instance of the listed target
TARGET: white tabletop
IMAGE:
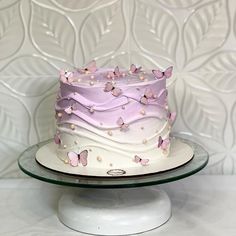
(202, 205)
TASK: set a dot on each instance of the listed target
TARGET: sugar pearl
(72, 126)
(76, 142)
(99, 158)
(109, 132)
(154, 96)
(91, 110)
(142, 112)
(164, 151)
(66, 161)
(123, 74)
(141, 77)
(92, 77)
(64, 146)
(130, 72)
(144, 141)
(166, 107)
(91, 83)
(78, 80)
(108, 76)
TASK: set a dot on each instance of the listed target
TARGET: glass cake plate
(120, 196)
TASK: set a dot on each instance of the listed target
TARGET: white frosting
(118, 148)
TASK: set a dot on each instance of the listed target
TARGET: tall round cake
(113, 122)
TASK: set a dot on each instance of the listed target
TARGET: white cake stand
(112, 206)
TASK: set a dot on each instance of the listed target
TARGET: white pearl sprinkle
(109, 132)
(91, 83)
(99, 158)
(164, 151)
(92, 77)
(144, 141)
(72, 126)
(142, 112)
(64, 146)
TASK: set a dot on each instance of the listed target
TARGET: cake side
(108, 121)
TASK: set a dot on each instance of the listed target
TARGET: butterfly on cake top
(112, 118)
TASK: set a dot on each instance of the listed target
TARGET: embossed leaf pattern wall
(198, 37)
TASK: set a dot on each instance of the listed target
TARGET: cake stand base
(114, 211)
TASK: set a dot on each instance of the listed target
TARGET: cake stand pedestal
(114, 212)
(112, 205)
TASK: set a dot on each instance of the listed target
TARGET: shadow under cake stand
(113, 205)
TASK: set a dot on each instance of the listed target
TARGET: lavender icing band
(100, 100)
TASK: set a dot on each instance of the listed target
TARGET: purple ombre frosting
(142, 95)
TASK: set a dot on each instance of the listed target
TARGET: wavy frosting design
(120, 117)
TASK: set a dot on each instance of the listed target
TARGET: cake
(113, 121)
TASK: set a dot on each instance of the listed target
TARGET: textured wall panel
(198, 37)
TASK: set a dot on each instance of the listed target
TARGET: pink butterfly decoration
(163, 143)
(147, 95)
(57, 139)
(135, 69)
(66, 76)
(115, 73)
(143, 162)
(75, 159)
(90, 68)
(122, 125)
(109, 87)
(69, 110)
(163, 74)
(171, 116)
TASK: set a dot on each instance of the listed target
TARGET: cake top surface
(91, 75)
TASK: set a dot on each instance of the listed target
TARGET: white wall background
(198, 37)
